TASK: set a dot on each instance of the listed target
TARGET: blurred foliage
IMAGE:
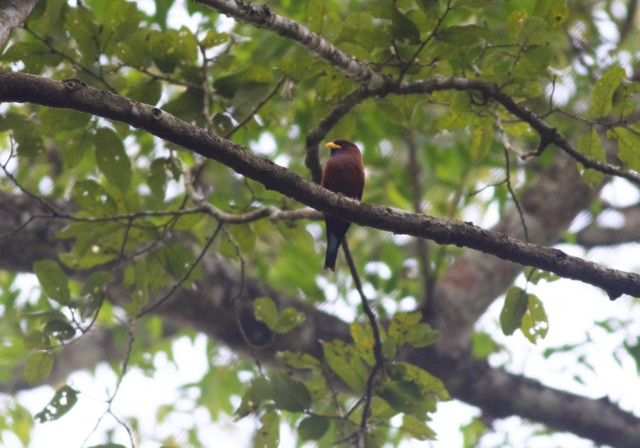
(205, 69)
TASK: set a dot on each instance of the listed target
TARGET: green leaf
(93, 293)
(459, 115)
(213, 39)
(37, 340)
(536, 31)
(266, 311)
(299, 360)
(347, 363)
(140, 294)
(81, 25)
(315, 14)
(29, 143)
(38, 367)
(268, 435)
(227, 86)
(389, 348)
(464, 36)
(624, 99)
(112, 158)
(53, 280)
(74, 149)
(258, 392)
(429, 6)
(289, 394)
(121, 20)
(244, 236)
(158, 177)
(407, 329)
(403, 28)
(515, 22)
(422, 335)
(603, 91)
(60, 329)
(482, 134)
(187, 105)
(634, 352)
(473, 431)
(412, 390)
(401, 322)
(417, 428)
(590, 145)
(90, 196)
(404, 396)
(135, 51)
(288, 320)
(536, 275)
(482, 345)
(427, 383)
(95, 283)
(147, 91)
(515, 305)
(170, 48)
(362, 339)
(180, 259)
(535, 323)
(60, 120)
(628, 145)
(555, 12)
(62, 402)
(313, 428)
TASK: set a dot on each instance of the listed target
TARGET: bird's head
(339, 145)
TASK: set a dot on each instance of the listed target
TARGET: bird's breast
(344, 173)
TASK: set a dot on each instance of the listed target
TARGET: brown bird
(344, 174)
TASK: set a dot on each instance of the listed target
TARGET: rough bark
(214, 308)
(18, 87)
(12, 14)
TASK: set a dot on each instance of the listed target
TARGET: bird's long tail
(333, 245)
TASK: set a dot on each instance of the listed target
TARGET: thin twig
(432, 34)
(256, 109)
(513, 194)
(421, 245)
(73, 62)
(186, 275)
(236, 311)
(125, 367)
(377, 346)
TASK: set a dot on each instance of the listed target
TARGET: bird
(344, 174)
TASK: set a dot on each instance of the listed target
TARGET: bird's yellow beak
(332, 145)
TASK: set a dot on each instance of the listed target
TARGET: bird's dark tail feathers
(333, 246)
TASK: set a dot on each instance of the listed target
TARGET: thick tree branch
(549, 202)
(261, 16)
(548, 134)
(12, 14)
(211, 310)
(374, 84)
(502, 394)
(628, 231)
(19, 87)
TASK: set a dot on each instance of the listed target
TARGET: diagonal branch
(12, 14)
(73, 94)
(261, 16)
(374, 84)
(209, 308)
(548, 134)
